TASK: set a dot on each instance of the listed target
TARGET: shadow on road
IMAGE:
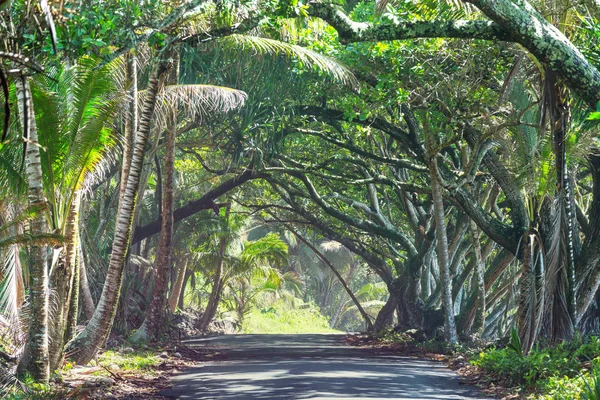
(311, 367)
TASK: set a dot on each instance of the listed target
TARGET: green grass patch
(136, 361)
(280, 318)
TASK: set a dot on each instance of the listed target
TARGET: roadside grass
(69, 383)
(133, 362)
(281, 318)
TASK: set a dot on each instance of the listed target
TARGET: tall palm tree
(35, 359)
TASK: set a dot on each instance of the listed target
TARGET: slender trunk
(86, 294)
(95, 334)
(442, 253)
(531, 302)
(322, 257)
(62, 283)
(215, 293)
(338, 310)
(479, 322)
(176, 290)
(131, 123)
(35, 356)
(71, 328)
(151, 327)
(188, 275)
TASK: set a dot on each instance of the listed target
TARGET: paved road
(311, 367)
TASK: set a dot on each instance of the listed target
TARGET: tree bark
(86, 294)
(177, 288)
(62, 283)
(442, 246)
(95, 334)
(35, 359)
(479, 322)
(155, 317)
(513, 21)
(217, 286)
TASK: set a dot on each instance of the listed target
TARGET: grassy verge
(280, 318)
(115, 374)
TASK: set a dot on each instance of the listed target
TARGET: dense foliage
(433, 166)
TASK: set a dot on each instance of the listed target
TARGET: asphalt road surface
(311, 367)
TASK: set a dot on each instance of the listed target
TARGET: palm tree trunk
(71, 328)
(155, 316)
(95, 334)
(131, 122)
(35, 356)
(86, 294)
(62, 283)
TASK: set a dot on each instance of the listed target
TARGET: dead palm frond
(195, 102)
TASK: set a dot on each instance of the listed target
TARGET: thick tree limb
(204, 203)
(351, 31)
(513, 21)
(547, 43)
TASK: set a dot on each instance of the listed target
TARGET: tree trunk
(71, 328)
(86, 294)
(338, 310)
(188, 275)
(176, 289)
(35, 356)
(479, 322)
(385, 317)
(95, 334)
(442, 252)
(215, 293)
(62, 283)
(151, 327)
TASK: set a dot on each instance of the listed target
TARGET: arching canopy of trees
(418, 164)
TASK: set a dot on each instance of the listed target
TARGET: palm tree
(35, 358)
(75, 108)
(229, 258)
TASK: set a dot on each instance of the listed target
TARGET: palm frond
(194, 101)
(261, 48)
(268, 249)
(12, 289)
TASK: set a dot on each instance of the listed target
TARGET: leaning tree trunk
(154, 321)
(35, 356)
(94, 336)
(338, 310)
(442, 252)
(62, 285)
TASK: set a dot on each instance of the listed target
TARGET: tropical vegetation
(361, 166)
